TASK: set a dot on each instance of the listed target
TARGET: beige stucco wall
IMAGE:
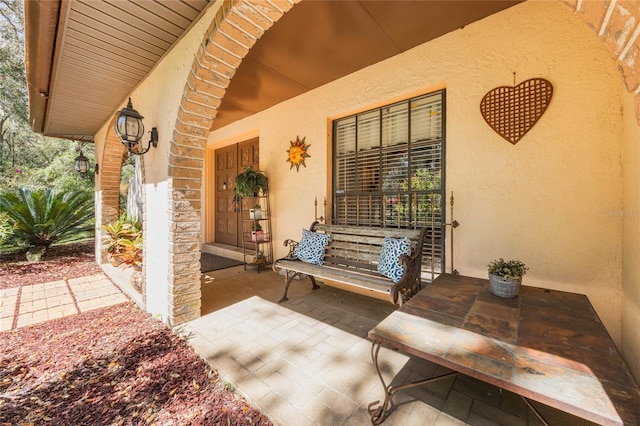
(630, 218)
(547, 200)
(158, 98)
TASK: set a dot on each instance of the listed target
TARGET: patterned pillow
(311, 247)
(390, 254)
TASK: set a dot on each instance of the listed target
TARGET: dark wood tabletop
(546, 345)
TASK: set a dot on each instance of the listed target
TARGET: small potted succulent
(505, 277)
(257, 234)
(255, 212)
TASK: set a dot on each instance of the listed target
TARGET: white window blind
(388, 169)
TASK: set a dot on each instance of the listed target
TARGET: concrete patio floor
(307, 361)
(303, 362)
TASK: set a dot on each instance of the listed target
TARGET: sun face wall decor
(297, 153)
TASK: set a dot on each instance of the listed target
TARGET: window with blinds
(389, 170)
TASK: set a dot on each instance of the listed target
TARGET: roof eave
(41, 25)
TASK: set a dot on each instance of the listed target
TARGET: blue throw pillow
(390, 253)
(311, 247)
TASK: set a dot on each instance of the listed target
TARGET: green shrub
(41, 218)
(5, 228)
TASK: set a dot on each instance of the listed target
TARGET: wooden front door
(229, 162)
(226, 217)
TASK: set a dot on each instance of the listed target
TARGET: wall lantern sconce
(81, 164)
(130, 129)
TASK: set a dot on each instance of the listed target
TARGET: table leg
(379, 414)
(536, 412)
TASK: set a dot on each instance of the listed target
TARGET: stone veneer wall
(108, 183)
(236, 28)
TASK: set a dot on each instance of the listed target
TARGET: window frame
(410, 148)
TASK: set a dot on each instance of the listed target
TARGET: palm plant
(41, 218)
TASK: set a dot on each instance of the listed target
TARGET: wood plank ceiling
(104, 48)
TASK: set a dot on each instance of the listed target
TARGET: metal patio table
(545, 345)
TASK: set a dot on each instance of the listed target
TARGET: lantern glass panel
(82, 166)
(130, 129)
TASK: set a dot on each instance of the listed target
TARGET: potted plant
(132, 257)
(257, 234)
(250, 182)
(259, 259)
(255, 212)
(131, 252)
(118, 237)
(505, 277)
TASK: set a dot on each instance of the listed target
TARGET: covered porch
(565, 199)
(308, 360)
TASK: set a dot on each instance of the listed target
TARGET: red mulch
(59, 262)
(115, 366)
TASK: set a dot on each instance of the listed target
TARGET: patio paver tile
(446, 420)
(251, 386)
(336, 402)
(40, 302)
(281, 385)
(6, 323)
(32, 306)
(309, 360)
(63, 310)
(306, 393)
(458, 405)
(295, 374)
(32, 318)
(282, 412)
(267, 369)
(483, 413)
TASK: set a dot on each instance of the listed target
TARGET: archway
(235, 29)
(108, 184)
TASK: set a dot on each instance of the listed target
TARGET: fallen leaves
(59, 263)
(116, 366)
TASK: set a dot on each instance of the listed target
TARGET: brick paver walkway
(32, 304)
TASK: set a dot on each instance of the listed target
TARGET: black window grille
(388, 170)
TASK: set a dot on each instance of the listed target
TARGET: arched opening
(108, 185)
(218, 57)
(234, 31)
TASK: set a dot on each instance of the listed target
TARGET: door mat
(212, 262)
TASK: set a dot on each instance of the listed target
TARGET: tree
(13, 96)
(13, 93)
(41, 218)
(26, 158)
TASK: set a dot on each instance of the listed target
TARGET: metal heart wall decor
(512, 111)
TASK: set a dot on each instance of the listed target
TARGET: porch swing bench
(351, 259)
